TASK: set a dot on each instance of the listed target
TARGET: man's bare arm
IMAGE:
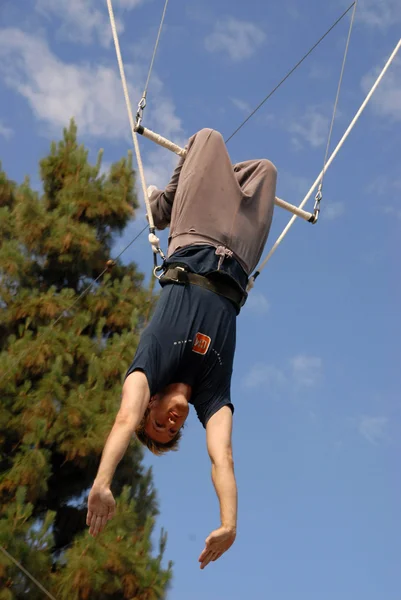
(218, 436)
(135, 399)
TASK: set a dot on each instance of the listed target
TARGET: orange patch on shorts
(201, 343)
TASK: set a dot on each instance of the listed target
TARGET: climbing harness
(219, 285)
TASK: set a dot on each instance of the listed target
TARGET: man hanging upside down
(219, 217)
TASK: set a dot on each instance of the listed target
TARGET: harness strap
(181, 275)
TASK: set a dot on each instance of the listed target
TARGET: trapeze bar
(161, 141)
(295, 210)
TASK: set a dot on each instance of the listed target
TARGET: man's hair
(156, 448)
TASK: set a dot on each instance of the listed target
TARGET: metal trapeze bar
(165, 143)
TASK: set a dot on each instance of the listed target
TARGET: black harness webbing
(178, 274)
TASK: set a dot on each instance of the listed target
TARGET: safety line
(330, 160)
(290, 73)
(27, 573)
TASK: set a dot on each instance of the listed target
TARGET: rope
(153, 239)
(290, 72)
(330, 160)
(319, 193)
(31, 577)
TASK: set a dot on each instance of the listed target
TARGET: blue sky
(317, 371)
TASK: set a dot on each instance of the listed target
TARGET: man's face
(168, 412)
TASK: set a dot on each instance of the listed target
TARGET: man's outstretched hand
(218, 542)
(101, 508)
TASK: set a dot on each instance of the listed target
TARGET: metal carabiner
(139, 112)
(156, 269)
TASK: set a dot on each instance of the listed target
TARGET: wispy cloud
(5, 131)
(384, 185)
(381, 15)
(239, 39)
(306, 370)
(264, 375)
(387, 187)
(373, 429)
(312, 127)
(241, 105)
(257, 303)
(393, 211)
(386, 101)
(301, 371)
(333, 210)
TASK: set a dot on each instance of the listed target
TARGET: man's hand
(218, 542)
(101, 508)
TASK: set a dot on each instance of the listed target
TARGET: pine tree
(64, 354)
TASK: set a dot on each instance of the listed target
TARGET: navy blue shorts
(190, 339)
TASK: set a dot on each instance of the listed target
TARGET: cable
(31, 577)
(337, 97)
(145, 91)
(290, 72)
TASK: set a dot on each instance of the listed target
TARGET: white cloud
(373, 429)
(257, 303)
(382, 14)
(306, 370)
(312, 127)
(57, 91)
(333, 210)
(92, 94)
(386, 100)
(5, 131)
(82, 20)
(238, 39)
